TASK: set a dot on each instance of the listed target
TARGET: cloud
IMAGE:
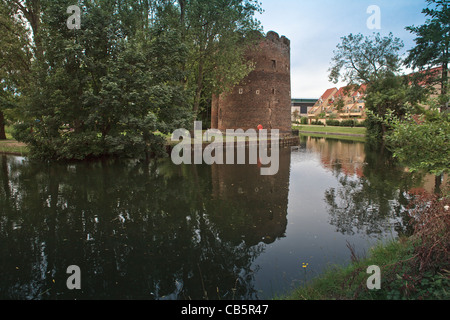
(315, 27)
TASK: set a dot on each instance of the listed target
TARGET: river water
(161, 231)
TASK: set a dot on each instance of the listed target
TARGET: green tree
(362, 59)
(31, 12)
(432, 45)
(422, 145)
(339, 104)
(133, 72)
(15, 57)
(215, 32)
(110, 88)
(391, 94)
(375, 61)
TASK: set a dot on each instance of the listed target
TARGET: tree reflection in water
(373, 189)
(137, 231)
(159, 231)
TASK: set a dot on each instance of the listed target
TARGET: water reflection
(136, 230)
(241, 193)
(159, 231)
(373, 190)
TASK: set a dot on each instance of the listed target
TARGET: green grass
(329, 129)
(343, 282)
(11, 146)
(350, 282)
(336, 137)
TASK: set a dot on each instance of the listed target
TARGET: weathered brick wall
(264, 96)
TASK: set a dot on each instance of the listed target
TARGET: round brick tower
(264, 96)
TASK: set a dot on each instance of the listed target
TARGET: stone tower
(264, 96)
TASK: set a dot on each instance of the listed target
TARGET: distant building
(322, 104)
(350, 102)
(340, 104)
(301, 107)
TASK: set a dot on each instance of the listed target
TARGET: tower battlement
(274, 37)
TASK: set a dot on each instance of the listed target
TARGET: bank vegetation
(412, 268)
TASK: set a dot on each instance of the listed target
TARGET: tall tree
(375, 61)
(391, 94)
(31, 11)
(362, 59)
(130, 71)
(214, 30)
(105, 89)
(432, 44)
(15, 60)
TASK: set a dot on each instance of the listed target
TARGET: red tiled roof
(328, 93)
(433, 72)
(348, 91)
(340, 92)
(361, 90)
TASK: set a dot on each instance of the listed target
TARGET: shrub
(432, 232)
(426, 274)
(347, 123)
(360, 124)
(333, 123)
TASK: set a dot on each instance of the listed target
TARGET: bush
(432, 232)
(348, 123)
(333, 123)
(421, 147)
(360, 124)
(426, 274)
(304, 120)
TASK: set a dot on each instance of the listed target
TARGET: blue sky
(316, 26)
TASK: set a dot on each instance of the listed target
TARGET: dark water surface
(160, 231)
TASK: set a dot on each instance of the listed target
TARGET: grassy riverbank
(412, 268)
(330, 129)
(11, 146)
(342, 133)
(334, 136)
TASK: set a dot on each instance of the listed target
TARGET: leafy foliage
(394, 95)
(375, 62)
(100, 91)
(425, 275)
(433, 44)
(133, 73)
(421, 144)
(359, 59)
(15, 57)
(217, 33)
